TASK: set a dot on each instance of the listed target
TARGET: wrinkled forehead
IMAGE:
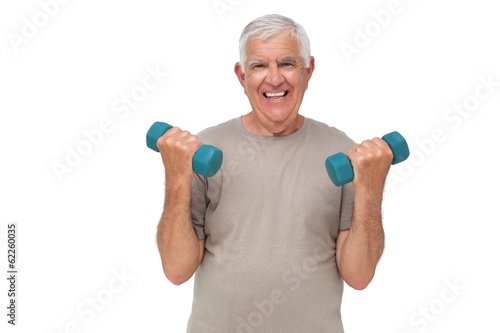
(276, 47)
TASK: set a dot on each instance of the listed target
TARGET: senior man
(270, 238)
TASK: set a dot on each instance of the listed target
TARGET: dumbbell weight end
(154, 133)
(339, 169)
(399, 146)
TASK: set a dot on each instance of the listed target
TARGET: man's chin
(279, 115)
(284, 125)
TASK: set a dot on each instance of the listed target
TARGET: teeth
(276, 94)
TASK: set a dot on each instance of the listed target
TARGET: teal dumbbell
(339, 167)
(206, 161)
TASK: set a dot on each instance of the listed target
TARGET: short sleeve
(199, 205)
(346, 206)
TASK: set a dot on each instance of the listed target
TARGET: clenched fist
(371, 161)
(177, 148)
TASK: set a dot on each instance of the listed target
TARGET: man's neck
(252, 124)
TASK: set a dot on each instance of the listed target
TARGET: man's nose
(274, 76)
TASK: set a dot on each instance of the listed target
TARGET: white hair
(268, 26)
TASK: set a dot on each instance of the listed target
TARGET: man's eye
(287, 65)
(257, 66)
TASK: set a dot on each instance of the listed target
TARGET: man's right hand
(180, 250)
(177, 148)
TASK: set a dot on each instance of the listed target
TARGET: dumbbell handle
(339, 167)
(206, 161)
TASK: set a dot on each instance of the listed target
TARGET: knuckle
(169, 141)
(171, 132)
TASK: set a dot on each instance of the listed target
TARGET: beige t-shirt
(270, 218)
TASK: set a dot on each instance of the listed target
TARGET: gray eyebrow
(254, 62)
(287, 59)
(290, 59)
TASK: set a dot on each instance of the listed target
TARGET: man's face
(275, 81)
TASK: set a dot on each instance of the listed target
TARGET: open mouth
(276, 95)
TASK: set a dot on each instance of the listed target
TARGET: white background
(99, 218)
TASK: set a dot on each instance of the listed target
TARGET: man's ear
(239, 74)
(310, 70)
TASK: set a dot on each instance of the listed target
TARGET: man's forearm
(177, 242)
(364, 244)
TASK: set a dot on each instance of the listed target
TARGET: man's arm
(360, 248)
(180, 249)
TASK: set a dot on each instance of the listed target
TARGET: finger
(191, 138)
(368, 145)
(382, 144)
(364, 151)
(359, 149)
(171, 132)
(175, 136)
(355, 147)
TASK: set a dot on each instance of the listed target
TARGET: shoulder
(325, 129)
(328, 135)
(217, 133)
